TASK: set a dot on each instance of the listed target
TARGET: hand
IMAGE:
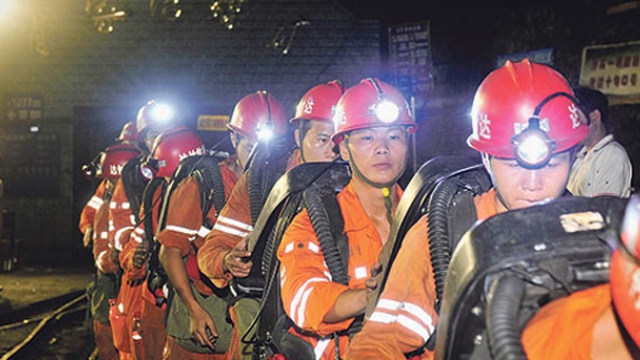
(372, 283)
(141, 254)
(88, 236)
(203, 328)
(115, 256)
(237, 261)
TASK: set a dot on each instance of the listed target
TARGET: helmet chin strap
(384, 187)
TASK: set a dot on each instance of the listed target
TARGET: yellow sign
(213, 122)
(613, 69)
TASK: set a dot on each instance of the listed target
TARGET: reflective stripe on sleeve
(407, 313)
(181, 230)
(235, 223)
(299, 302)
(95, 202)
(230, 230)
(203, 231)
(117, 237)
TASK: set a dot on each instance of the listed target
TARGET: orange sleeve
(128, 252)
(101, 248)
(306, 287)
(121, 219)
(138, 235)
(88, 213)
(404, 317)
(232, 225)
(184, 217)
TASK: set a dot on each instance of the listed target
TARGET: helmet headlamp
(533, 147)
(386, 111)
(149, 168)
(161, 112)
(264, 131)
(93, 168)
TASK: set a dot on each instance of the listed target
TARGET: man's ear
(344, 154)
(486, 161)
(595, 117)
(234, 139)
(296, 136)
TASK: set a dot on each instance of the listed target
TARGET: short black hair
(591, 100)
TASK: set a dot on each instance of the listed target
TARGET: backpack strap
(134, 185)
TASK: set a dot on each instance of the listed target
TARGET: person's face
(518, 187)
(316, 145)
(380, 153)
(244, 145)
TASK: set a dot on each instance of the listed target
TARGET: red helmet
(625, 271)
(255, 110)
(151, 115)
(319, 102)
(128, 132)
(114, 158)
(524, 95)
(172, 146)
(371, 103)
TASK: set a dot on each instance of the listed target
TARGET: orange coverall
(89, 210)
(121, 223)
(232, 225)
(564, 328)
(404, 317)
(151, 329)
(182, 229)
(307, 290)
(104, 264)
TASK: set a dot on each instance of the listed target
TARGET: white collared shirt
(605, 169)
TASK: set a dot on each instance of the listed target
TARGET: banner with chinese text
(613, 69)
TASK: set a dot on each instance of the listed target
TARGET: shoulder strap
(211, 185)
(148, 205)
(318, 205)
(336, 224)
(134, 185)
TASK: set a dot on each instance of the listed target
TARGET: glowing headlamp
(533, 147)
(162, 112)
(149, 168)
(265, 132)
(386, 111)
(93, 168)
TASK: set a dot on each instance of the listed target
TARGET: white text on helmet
(574, 115)
(308, 106)
(484, 127)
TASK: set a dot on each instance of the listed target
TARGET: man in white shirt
(602, 166)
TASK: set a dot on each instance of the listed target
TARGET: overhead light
(104, 13)
(227, 11)
(169, 9)
(285, 35)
